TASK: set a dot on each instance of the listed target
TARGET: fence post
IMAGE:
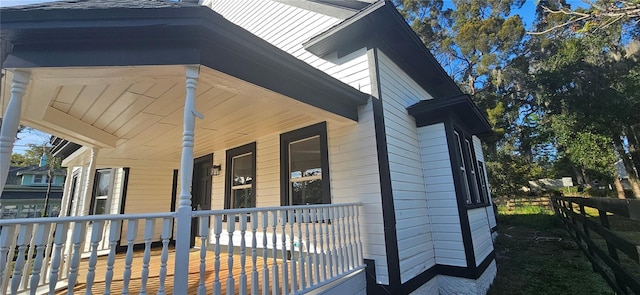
(604, 221)
(585, 227)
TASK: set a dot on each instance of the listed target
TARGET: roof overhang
(380, 25)
(142, 33)
(433, 111)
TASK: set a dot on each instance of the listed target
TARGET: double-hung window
(103, 185)
(240, 177)
(40, 179)
(471, 171)
(305, 166)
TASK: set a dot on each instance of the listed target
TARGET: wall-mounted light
(215, 170)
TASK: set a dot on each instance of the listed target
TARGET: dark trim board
(388, 208)
(472, 273)
(230, 154)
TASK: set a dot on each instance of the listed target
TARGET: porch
(280, 250)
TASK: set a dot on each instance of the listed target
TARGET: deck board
(153, 282)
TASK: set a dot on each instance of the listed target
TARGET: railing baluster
(274, 240)
(303, 276)
(321, 224)
(243, 257)
(164, 256)
(217, 230)
(48, 254)
(316, 258)
(231, 227)
(285, 267)
(334, 250)
(41, 239)
(79, 229)
(59, 239)
(132, 230)
(265, 268)
(254, 253)
(360, 259)
(26, 271)
(294, 261)
(349, 223)
(203, 229)
(114, 230)
(340, 226)
(96, 236)
(308, 246)
(149, 230)
(7, 238)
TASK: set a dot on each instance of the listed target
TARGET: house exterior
(26, 190)
(316, 121)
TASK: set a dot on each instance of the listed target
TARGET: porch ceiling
(136, 112)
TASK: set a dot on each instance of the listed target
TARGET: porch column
(10, 123)
(88, 184)
(183, 233)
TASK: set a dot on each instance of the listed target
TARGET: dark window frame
(230, 154)
(320, 130)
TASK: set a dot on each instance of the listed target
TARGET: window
(40, 179)
(472, 180)
(305, 166)
(240, 180)
(101, 192)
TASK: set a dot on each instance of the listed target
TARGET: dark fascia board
(381, 25)
(62, 148)
(431, 111)
(168, 36)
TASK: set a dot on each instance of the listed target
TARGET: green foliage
(32, 156)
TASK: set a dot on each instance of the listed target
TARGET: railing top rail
(262, 209)
(101, 217)
(622, 207)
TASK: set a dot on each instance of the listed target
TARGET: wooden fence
(599, 242)
(511, 203)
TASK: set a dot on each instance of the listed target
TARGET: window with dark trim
(240, 180)
(102, 188)
(305, 166)
(482, 181)
(473, 181)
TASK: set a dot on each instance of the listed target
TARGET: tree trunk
(628, 166)
(618, 185)
(634, 149)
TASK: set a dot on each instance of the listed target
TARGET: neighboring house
(333, 107)
(26, 190)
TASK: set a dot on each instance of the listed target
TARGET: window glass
(463, 170)
(102, 191)
(305, 171)
(240, 174)
(40, 178)
(242, 180)
(473, 179)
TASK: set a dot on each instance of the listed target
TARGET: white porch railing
(278, 250)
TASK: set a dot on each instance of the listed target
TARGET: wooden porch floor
(153, 281)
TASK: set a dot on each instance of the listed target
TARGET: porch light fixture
(215, 170)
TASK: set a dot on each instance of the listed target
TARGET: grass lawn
(536, 255)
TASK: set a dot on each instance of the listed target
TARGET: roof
(30, 195)
(381, 25)
(431, 111)
(32, 170)
(154, 32)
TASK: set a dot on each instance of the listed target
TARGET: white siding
(443, 207)
(288, 27)
(353, 164)
(480, 234)
(413, 226)
(477, 146)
